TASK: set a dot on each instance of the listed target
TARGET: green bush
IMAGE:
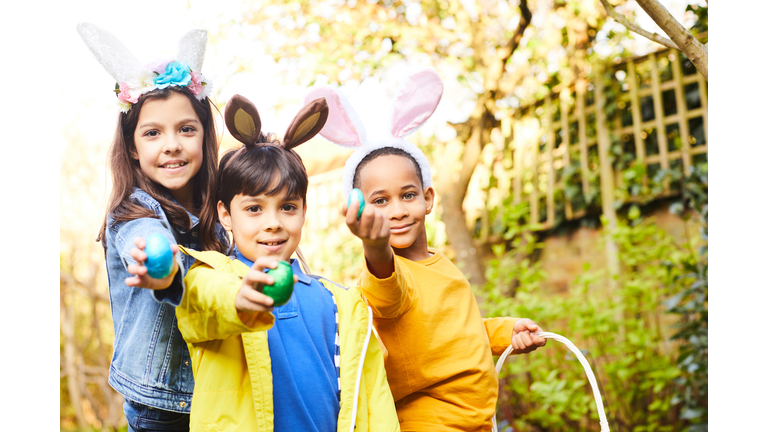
(643, 330)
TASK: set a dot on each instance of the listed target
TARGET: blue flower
(177, 74)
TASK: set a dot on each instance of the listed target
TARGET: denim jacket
(150, 361)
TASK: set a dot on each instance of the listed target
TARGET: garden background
(546, 103)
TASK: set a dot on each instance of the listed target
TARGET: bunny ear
(343, 126)
(242, 120)
(307, 123)
(192, 49)
(415, 101)
(110, 52)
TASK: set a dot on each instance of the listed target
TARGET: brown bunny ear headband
(243, 121)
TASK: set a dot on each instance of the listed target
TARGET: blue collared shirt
(303, 347)
(150, 361)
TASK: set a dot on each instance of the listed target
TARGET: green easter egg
(282, 289)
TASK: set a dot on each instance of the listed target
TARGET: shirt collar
(295, 267)
(195, 220)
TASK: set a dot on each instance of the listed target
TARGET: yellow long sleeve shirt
(437, 348)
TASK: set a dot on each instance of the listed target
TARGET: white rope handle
(584, 364)
(353, 421)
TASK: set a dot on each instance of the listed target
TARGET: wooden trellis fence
(561, 145)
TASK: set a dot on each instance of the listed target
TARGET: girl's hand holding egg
(155, 265)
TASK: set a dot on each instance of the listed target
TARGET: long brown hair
(127, 174)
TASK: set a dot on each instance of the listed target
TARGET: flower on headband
(200, 86)
(130, 92)
(173, 74)
(124, 106)
(134, 79)
(207, 89)
(177, 74)
(158, 66)
(196, 85)
(125, 95)
(144, 82)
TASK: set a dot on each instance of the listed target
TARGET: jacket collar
(145, 197)
(306, 280)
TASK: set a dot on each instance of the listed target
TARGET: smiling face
(169, 144)
(264, 225)
(390, 183)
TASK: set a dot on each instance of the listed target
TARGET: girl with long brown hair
(163, 162)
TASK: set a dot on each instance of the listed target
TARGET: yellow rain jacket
(232, 366)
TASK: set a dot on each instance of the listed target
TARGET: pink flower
(125, 95)
(196, 85)
(158, 66)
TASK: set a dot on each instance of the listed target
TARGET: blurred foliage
(334, 253)
(86, 333)
(702, 18)
(692, 306)
(342, 41)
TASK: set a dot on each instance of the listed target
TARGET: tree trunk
(452, 193)
(476, 132)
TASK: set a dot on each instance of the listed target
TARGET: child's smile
(401, 229)
(273, 245)
(174, 165)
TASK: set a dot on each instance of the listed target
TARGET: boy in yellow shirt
(309, 364)
(438, 349)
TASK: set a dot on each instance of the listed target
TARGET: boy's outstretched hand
(524, 339)
(140, 277)
(250, 300)
(373, 229)
(250, 297)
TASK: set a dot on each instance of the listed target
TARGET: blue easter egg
(159, 261)
(359, 195)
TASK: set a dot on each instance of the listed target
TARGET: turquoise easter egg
(358, 194)
(159, 261)
(281, 290)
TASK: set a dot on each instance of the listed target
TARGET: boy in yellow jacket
(310, 365)
(438, 349)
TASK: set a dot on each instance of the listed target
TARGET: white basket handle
(584, 364)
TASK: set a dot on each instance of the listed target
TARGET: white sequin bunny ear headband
(135, 79)
(415, 101)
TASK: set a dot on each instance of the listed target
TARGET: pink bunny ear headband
(134, 79)
(415, 101)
